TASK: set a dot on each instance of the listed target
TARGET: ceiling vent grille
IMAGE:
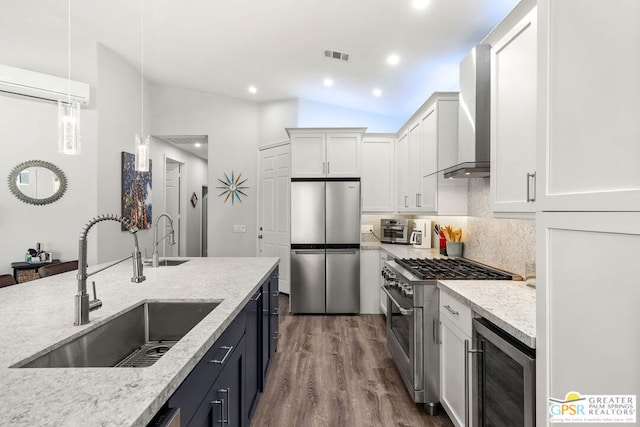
(334, 54)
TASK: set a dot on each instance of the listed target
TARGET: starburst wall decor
(232, 187)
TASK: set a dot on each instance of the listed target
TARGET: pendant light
(69, 110)
(142, 140)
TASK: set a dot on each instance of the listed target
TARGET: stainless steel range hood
(474, 116)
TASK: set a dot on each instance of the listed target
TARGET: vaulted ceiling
(278, 46)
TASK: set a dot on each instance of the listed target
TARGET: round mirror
(37, 182)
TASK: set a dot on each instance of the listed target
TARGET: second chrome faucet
(155, 258)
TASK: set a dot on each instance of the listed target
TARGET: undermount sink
(135, 338)
(171, 262)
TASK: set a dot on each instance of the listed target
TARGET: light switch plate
(239, 228)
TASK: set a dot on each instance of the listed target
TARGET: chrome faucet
(82, 304)
(155, 258)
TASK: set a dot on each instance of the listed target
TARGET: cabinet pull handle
(224, 359)
(328, 168)
(228, 419)
(437, 327)
(221, 419)
(467, 352)
(451, 310)
(531, 177)
(406, 201)
(276, 311)
(275, 294)
(257, 296)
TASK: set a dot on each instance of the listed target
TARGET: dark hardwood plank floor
(336, 371)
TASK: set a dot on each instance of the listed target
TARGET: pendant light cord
(69, 52)
(142, 68)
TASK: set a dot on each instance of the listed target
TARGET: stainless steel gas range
(412, 318)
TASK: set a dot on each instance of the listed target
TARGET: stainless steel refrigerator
(325, 245)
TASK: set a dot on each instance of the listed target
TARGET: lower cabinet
(224, 403)
(455, 320)
(223, 388)
(253, 338)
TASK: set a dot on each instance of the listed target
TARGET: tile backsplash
(503, 243)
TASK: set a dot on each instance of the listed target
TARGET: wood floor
(335, 371)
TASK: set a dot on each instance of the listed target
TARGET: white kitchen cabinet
(439, 143)
(369, 281)
(402, 171)
(325, 152)
(455, 328)
(378, 173)
(588, 322)
(415, 166)
(428, 144)
(513, 118)
(589, 88)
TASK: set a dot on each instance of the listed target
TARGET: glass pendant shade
(142, 153)
(69, 127)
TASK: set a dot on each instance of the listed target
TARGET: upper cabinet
(378, 173)
(325, 152)
(589, 158)
(402, 168)
(513, 118)
(427, 145)
(440, 151)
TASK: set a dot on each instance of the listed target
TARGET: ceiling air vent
(334, 54)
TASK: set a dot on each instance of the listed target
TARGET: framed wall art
(136, 193)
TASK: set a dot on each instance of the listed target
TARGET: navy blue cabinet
(274, 312)
(223, 405)
(253, 338)
(224, 387)
(270, 313)
(193, 389)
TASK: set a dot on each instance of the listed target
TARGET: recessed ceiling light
(393, 59)
(253, 89)
(377, 92)
(420, 4)
(328, 82)
(198, 145)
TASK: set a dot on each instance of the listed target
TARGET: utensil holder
(454, 249)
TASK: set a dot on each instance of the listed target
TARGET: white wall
(119, 120)
(318, 114)
(232, 128)
(275, 117)
(28, 131)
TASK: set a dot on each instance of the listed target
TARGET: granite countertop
(38, 314)
(510, 305)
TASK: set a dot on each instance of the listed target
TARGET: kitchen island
(39, 314)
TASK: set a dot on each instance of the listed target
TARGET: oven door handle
(403, 311)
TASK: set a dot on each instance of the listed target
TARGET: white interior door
(273, 210)
(172, 206)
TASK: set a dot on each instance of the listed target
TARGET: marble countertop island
(36, 315)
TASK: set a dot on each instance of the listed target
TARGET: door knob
(259, 236)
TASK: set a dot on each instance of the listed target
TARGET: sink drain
(158, 350)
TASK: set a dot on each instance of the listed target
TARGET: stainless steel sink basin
(135, 338)
(172, 262)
